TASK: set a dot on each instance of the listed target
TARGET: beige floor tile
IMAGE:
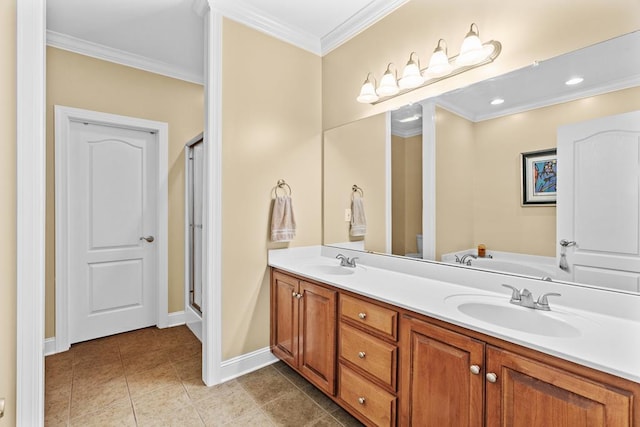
(88, 399)
(184, 351)
(319, 397)
(118, 414)
(56, 408)
(291, 375)
(165, 400)
(265, 385)
(87, 374)
(197, 390)
(183, 417)
(147, 381)
(224, 405)
(293, 409)
(189, 368)
(256, 418)
(97, 352)
(139, 362)
(345, 418)
(326, 421)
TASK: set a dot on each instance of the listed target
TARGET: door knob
(148, 238)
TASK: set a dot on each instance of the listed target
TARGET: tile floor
(151, 377)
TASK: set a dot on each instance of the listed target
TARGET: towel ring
(281, 186)
(356, 189)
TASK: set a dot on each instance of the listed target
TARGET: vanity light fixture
(439, 65)
(411, 118)
(473, 51)
(368, 91)
(473, 54)
(574, 81)
(497, 101)
(411, 75)
(388, 82)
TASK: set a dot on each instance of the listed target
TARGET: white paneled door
(598, 203)
(112, 194)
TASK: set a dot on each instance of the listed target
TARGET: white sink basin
(335, 270)
(500, 312)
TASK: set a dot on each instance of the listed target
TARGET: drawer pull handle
(362, 315)
(362, 355)
(475, 369)
(491, 377)
(361, 400)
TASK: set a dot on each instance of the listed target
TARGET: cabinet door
(438, 385)
(531, 394)
(284, 318)
(317, 359)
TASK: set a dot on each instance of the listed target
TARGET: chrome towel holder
(356, 189)
(281, 186)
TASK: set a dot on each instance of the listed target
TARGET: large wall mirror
(443, 176)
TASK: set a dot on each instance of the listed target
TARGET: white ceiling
(167, 36)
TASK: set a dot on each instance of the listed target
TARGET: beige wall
(355, 154)
(454, 182)
(271, 129)
(528, 31)
(8, 210)
(80, 81)
(406, 193)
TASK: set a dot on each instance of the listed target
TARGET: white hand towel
(358, 219)
(283, 222)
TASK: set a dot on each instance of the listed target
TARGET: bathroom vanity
(394, 347)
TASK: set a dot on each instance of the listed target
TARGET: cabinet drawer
(371, 316)
(369, 353)
(369, 400)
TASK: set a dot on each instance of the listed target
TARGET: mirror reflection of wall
(406, 181)
(477, 154)
(356, 154)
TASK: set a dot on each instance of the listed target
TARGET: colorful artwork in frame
(539, 177)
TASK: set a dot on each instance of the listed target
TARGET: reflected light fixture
(472, 54)
(411, 75)
(574, 81)
(439, 65)
(388, 82)
(497, 101)
(473, 51)
(368, 91)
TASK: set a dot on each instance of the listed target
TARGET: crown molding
(95, 50)
(253, 18)
(408, 133)
(363, 19)
(587, 92)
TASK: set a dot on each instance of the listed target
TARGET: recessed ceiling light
(410, 118)
(574, 81)
(497, 101)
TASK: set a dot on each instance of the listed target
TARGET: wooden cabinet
(303, 328)
(368, 360)
(442, 381)
(532, 394)
(388, 366)
(445, 375)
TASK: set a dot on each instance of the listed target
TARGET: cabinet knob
(361, 400)
(299, 295)
(362, 355)
(294, 294)
(475, 369)
(491, 377)
(362, 315)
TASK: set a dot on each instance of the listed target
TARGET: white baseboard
(243, 364)
(49, 346)
(176, 318)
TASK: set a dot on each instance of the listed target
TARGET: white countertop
(608, 339)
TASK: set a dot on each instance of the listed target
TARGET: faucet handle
(353, 261)
(515, 293)
(543, 303)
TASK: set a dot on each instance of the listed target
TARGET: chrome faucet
(346, 261)
(465, 260)
(524, 298)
